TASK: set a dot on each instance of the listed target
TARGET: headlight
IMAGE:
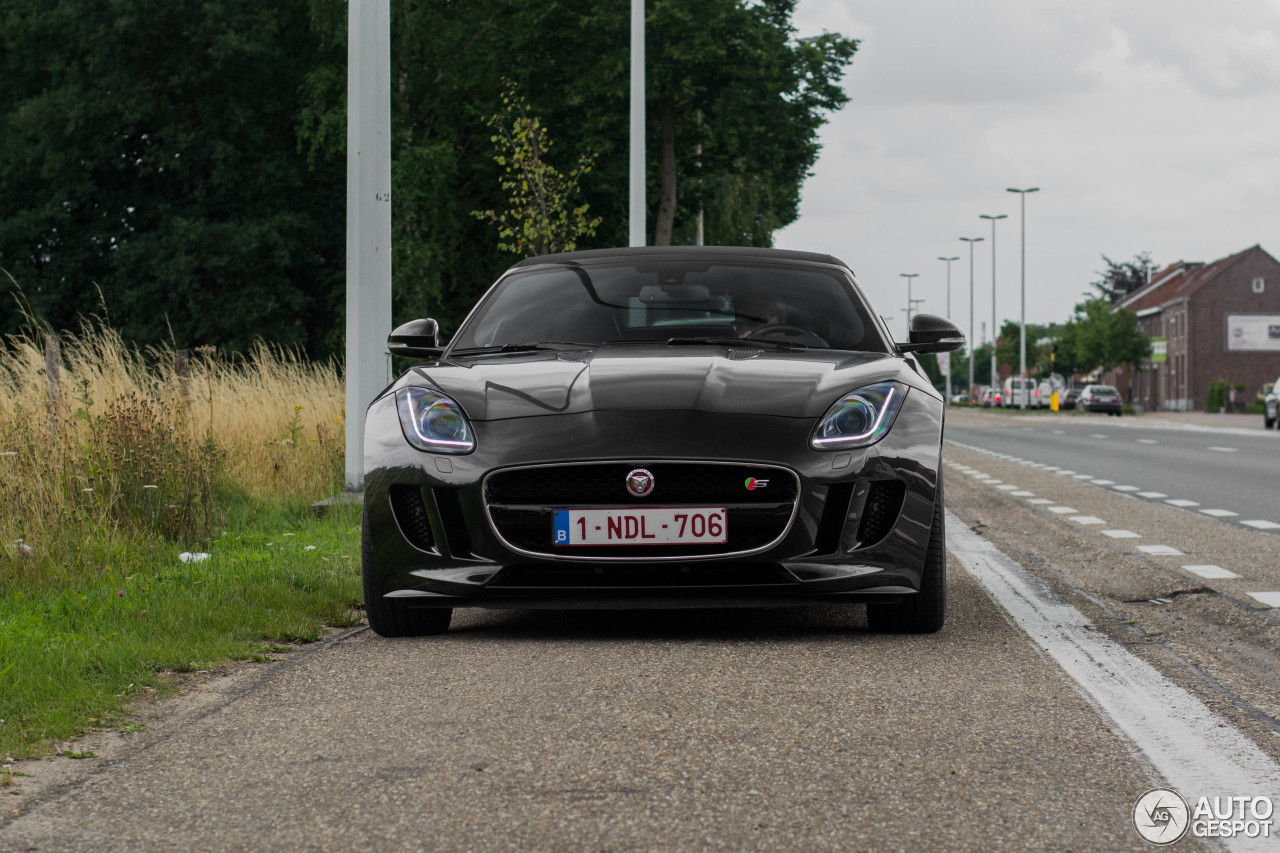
(431, 421)
(860, 418)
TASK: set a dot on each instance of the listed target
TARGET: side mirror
(416, 339)
(930, 333)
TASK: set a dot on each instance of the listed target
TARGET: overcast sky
(1149, 125)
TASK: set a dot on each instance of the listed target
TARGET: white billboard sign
(1253, 333)
(944, 363)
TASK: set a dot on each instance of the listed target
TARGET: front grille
(522, 502)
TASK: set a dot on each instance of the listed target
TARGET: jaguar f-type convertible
(659, 428)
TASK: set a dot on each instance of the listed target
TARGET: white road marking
(1224, 449)
(1083, 477)
(1063, 472)
(1052, 468)
(1096, 435)
(1195, 750)
(1271, 599)
(1219, 513)
(1210, 571)
(1103, 482)
(1007, 487)
(1147, 441)
(1160, 550)
(1181, 502)
(1058, 432)
(1122, 534)
(1262, 525)
(1126, 488)
(1023, 494)
(1152, 495)
(1087, 519)
(1062, 510)
(991, 481)
(1040, 501)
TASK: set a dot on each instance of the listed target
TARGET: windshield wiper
(533, 346)
(739, 342)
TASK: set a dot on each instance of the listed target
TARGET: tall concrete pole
(995, 329)
(910, 277)
(368, 365)
(948, 260)
(637, 218)
(972, 347)
(1022, 344)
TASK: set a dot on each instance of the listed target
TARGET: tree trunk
(667, 201)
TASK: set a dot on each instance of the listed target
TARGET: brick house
(1220, 320)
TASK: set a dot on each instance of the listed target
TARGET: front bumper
(859, 530)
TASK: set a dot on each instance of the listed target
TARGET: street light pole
(948, 260)
(971, 241)
(1022, 344)
(995, 330)
(909, 276)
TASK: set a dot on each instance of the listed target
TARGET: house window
(1259, 284)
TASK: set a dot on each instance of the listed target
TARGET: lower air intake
(411, 515)
(880, 512)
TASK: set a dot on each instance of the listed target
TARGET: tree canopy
(1122, 278)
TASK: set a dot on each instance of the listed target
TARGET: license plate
(648, 526)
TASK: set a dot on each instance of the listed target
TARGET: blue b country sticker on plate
(562, 527)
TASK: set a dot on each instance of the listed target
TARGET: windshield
(660, 300)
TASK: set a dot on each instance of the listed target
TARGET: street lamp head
(993, 218)
(973, 239)
(1032, 190)
(947, 259)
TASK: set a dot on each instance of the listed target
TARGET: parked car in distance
(1100, 398)
(1069, 399)
(962, 397)
(659, 427)
(990, 397)
(1271, 407)
(1016, 393)
(1042, 397)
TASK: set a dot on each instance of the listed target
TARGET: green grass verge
(77, 642)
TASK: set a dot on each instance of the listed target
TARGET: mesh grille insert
(411, 515)
(884, 502)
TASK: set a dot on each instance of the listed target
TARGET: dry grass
(124, 442)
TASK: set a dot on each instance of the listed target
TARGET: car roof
(738, 253)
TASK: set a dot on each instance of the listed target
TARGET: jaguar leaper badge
(640, 482)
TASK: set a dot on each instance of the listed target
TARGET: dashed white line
(1096, 435)
(1210, 571)
(1224, 449)
(1083, 477)
(1062, 510)
(1122, 534)
(1126, 488)
(1161, 550)
(1147, 441)
(1058, 432)
(1023, 494)
(1271, 599)
(1087, 519)
(1103, 482)
(1063, 472)
(1152, 495)
(1219, 513)
(1181, 502)
(1039, 501)
(1262, 525)
(1007, 487)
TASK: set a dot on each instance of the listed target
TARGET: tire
(1267, 422)
(926, 611)
(389, 617)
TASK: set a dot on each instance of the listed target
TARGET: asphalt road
(1233, 471)
(741, 730)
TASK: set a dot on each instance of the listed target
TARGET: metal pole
(971, 241)
(368, 365)
(909, 276)
(637, 218)
(1022, 344)
(948, 260)
(995, 330)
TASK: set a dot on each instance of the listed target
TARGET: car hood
(713, 379)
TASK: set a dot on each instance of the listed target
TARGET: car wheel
(388, 617)
(1268, 422)
(926, 611)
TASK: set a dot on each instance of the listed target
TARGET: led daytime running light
(419, 407)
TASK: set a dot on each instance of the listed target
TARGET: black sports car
(659, 428)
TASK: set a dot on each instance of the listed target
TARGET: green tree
(1119, 280)
(148, 148)
(1106, 338)
(538, 218)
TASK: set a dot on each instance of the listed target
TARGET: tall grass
(126, 443)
